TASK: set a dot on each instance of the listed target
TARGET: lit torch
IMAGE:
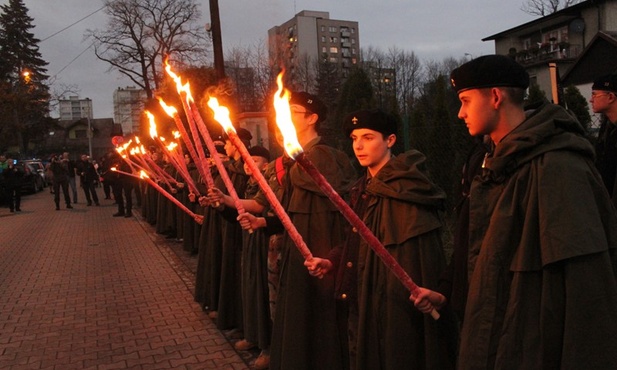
(144, 176)
(295, 151)
(197, 124)
(221, 114)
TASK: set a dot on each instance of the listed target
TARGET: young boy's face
(371, 148)
(261, 163)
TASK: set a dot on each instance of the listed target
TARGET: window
(323, 38)
(324, 49)
(323, 28)
(332, 29)
(333, 50)
(80, 134)
(333, 40)
(333, 60)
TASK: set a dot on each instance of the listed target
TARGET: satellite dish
(577, 26)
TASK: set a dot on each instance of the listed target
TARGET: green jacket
(543, 233)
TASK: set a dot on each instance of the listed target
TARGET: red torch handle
(198, 121)
(357, 223)
(274, 202)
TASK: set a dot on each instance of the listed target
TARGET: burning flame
(143, 175)
(176, 134)
(153, 133)
(172, 146)
(186, 88)
(221, 114)
(283, 119)
(170, 110)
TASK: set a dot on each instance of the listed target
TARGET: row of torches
(145, 168)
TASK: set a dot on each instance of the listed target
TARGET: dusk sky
(432, 29)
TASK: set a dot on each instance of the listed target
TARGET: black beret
(244, 134)
(259, 151)
(311, 103)
(373, 119)
(606, 83)
(489, 71)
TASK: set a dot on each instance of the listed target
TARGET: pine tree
(578, 105)
(23, 91)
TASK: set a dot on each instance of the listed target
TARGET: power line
(72, 60)
(74, 23)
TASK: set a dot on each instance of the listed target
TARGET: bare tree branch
(141, 33)
(546, 7)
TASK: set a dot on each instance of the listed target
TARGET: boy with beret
(604, 101)
(306, 332)
(542, 233)
(400, 204)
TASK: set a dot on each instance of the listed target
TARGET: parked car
(38, 165)
(33, 182)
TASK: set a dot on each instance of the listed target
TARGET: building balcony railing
(548, 52)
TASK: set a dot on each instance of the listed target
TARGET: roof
(597, 59)
(560, 17)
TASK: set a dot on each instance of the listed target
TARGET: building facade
(310, 37)
(128, 108)
(560, 38)
(75, 108)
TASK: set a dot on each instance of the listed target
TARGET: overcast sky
(433, 29)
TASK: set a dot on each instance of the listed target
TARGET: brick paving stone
(83, 290)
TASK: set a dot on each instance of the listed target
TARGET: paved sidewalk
(80, 289)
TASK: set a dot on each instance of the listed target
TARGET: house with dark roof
(581, 35)
(74, 136)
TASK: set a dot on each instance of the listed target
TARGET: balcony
(548, 52)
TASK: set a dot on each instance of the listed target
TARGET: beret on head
(311, 103)
(373, 119)
(244, 134)
(489, 71)
(259, 151)
(606, 83)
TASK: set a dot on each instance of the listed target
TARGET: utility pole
(217, 40)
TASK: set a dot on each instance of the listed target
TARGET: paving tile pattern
(80, 289)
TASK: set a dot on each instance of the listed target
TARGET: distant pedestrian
(60, 170)
(13, 178)
(72, 172)
(88, 178)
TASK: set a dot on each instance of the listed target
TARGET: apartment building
(311, 36)
(128, 108)
(75, 108)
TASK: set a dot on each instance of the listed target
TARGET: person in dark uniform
(542, 233)
(87, 178)
(400, 204)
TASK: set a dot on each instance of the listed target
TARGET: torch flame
(221, 114)
(153, 132)
(283, 119)
(186, 88)
(170, 110)
(172, 146)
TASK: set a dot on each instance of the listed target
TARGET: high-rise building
(73, 108)
(128, 108)
(312, 36)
